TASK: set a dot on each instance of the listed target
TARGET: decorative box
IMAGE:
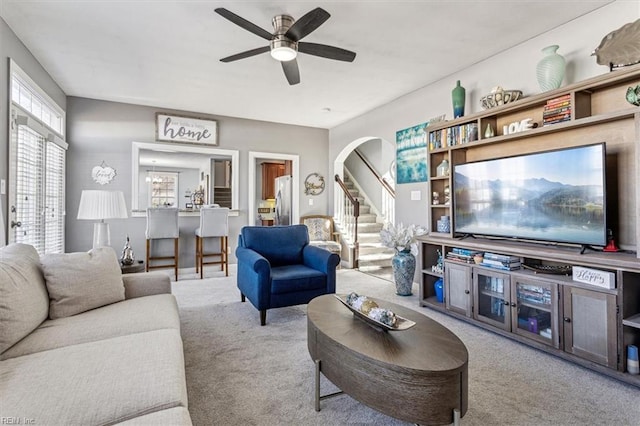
(595, 277)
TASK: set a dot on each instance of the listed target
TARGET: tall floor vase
(404, 266)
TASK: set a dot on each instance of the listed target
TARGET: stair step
(364, 209)
(367, 218)
(374, 248)
(369, 228)
(378, 259)
(368, 237)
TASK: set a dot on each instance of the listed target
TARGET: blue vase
(438, 286)
(404, 266)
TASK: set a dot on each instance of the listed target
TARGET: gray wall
(512, 69)
(103, 131)
(12, 47)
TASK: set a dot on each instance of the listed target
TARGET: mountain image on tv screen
(556, 196)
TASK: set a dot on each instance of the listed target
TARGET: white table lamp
(101, 205)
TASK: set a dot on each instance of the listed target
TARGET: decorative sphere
(367, 305)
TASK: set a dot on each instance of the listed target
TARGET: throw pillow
(24, 302)
(78, 282)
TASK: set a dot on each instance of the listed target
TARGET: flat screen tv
(552, 196)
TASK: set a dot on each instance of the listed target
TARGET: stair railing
(388, 206)
(347, 211)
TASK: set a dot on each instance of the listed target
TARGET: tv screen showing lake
(556, 196)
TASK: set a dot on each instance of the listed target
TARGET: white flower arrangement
(402, 238)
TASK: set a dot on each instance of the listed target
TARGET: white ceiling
(166, 53)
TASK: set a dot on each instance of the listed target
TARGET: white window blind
(37, 161)
(29, 183)
(54, 198)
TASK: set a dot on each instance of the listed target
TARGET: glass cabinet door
(491, 295)
(535, 315)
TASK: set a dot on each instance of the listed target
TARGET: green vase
(458, 98)
(550, 69)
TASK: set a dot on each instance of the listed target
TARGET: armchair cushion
(296, 278)
(280, 245)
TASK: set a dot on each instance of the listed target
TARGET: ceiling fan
(284, 43)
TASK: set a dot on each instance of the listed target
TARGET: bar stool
(214, 222)
(162, 223)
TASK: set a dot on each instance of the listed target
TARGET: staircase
(222, 196)
(373, 256)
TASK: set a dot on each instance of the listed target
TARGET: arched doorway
(363, 169)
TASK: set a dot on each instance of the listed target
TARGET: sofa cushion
(78, 282)
(119, 319)
(169, 417)
(296, 278)
(24, 301)
(97, 383)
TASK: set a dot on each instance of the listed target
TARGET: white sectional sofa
(81, 344)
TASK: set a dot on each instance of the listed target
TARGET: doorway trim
(295, 182)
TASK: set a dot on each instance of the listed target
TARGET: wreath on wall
(314, 184)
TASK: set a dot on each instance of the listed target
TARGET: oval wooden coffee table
(418, 375)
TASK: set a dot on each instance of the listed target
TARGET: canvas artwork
(411, 154)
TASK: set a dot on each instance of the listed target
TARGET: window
(37, 156)
(164, 189)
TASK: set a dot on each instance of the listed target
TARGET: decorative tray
(550, 269)
(401, 323)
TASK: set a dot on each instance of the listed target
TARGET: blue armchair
(277, 267)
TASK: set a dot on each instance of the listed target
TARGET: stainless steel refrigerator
(283, 200)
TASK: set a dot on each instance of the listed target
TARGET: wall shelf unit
(582, 323)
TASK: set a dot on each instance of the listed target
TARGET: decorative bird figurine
(633, 95)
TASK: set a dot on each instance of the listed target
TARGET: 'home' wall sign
(175, 128)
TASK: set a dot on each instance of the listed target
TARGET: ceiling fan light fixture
(283, 50)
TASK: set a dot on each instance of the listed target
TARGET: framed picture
(411, 154)
(177, 128)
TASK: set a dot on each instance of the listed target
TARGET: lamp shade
(100, 205)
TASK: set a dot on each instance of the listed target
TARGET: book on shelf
(566, 104)
(560, 120)
(467, 252)
(559, 99)
(556, 111)
(452, 136)
(502, 257)
(501, 263)
(459, 257)
(562, 116)
(500, 267)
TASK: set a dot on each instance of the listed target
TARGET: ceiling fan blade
(246, 54)
(241, 22)
(326, 51)
(308, 23)
(291, 71)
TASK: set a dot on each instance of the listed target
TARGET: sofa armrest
(145, 284)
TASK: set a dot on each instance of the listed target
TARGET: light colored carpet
(241, 373)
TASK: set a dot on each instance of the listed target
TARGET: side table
(138, 266)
